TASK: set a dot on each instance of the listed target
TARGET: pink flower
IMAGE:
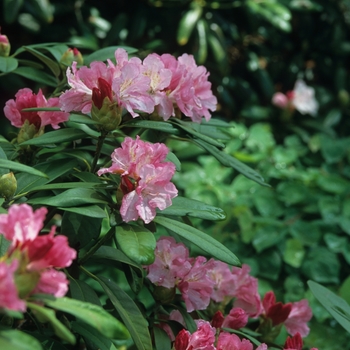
(294, 343)
(25, 98)
(171, 263)
(189, 89)
(299, 316)
(277, 312)
(223, 279)
(280, 100)
(9, 298)
(21, 224)
(52, 282)
(236, 319)
(245, 290)
(196, 287)
(145, 178)
(202, 339)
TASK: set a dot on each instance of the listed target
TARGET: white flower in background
(302, 98)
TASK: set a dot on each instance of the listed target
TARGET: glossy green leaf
(105, 53)
(161, 339)
(71, 198)
(129, 313)
(92, 211)
(92, 338)
(8, 64)
(188, 22)
(80, 290)
(36, 75)
(14, 166)
(202, 52)
(83, 119)
(294, 253)
(154, 125)
(229, 161)
(57, 136)
(44, 314)
(137, 243)
(17, 340)
(53, 66)
(210, 245)
(182, 206)
(57, 50)
(92, 314)
(335, 305)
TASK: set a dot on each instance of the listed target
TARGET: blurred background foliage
(297, 229)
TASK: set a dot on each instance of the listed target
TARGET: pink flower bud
(182, 340)
(280, 100)
(236, 319)
(5, 46)
(217, 320)
(70, 56)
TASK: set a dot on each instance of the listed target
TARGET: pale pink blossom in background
(145, 178)
(302, 98)
(245, 290)
(299, 316)
(236, 319)
(171, 263)
(196, 287)
(25, 98)
(9, 298)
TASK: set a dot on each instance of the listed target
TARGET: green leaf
(71, 198)
(335, 305)
(36, 75)
(137, 243)
(182, 206)
(4, 244)
(82, 291)
(161, 339)
(47, 315)
(202, 53)
(188, 22)
(107, 52)
(129, 312)
(17, 340)
(229, 161)
(81, 230)
(92, 211)
(150, 124)
(53, 66)
(11, 8)
(57, 136)
(294, 253)
(9, 164)
(211, 246)
(92, 314)
(90, 335)
(8, 64)
(83, 119)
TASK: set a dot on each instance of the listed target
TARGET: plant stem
(100, 141)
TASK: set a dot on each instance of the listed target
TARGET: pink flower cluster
(162, 84)
(29, 265)
(25, 98)
(302, 98)
(200, 281)
(145, 178)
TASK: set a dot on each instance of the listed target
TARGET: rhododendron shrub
(95, 237)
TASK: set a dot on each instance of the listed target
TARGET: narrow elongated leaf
(107, 52)
(8, 64)
(11, 8)
(90, 335)
(137, 243)
(67, 185)
(83, 119)
(154, 125)
(17, 340)
(36, 75)
(335, 305)
(92, 211)
(53, 66)
(187, 127)
(92, 314)
(129, 312)
(71, 198)
(57, 136)
(229, 161)
(9, 164)
(82, 291)
(182, 206)
(210, 245)
(47, 315)
(202, 41)
(161, 339)
(188, 22)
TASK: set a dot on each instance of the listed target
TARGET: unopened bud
(28, 131)
(343, 98)
(8, 185)
(164, 295)
(5, 46)
(70, 56)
